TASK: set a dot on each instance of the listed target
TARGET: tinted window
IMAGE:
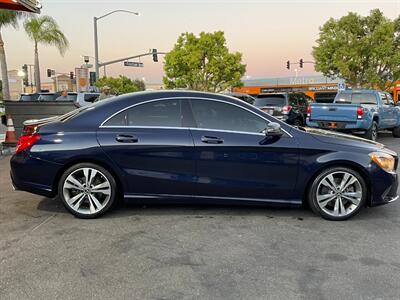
(157, 113)
(224, 116)
(91, 97)
(48, 97)
(270, 100)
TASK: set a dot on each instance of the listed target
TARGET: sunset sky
(268, 33)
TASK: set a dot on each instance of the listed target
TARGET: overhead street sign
(133, 64)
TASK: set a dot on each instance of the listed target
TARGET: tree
(121, 84)
(7, 18)
(203, 63)
(364, 51)
(44, 30)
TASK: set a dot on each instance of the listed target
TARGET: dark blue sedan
(194, 146)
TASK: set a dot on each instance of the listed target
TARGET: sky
(268, 33)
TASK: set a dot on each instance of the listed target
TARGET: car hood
(333, 137)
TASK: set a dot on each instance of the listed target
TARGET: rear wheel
(298, 123)
(396, 132)
(87, 190)
(372, 132)
(337, 194)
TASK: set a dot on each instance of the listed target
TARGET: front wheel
(87, 190)
(337, 194)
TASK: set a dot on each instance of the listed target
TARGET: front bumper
(384, 186)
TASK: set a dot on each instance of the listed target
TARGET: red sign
(21, 5)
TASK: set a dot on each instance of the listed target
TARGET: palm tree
(7, 18)
(44, 30)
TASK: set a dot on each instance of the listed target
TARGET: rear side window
(163, 113)
(270, 100)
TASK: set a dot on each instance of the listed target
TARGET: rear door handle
(125, 138)
(211, 140)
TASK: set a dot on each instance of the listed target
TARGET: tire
(333, 203)
(87, 190)
(396, 132)
(297, 123)
(372, 132)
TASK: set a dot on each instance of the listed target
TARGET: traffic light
(155, 57)
(288, 65)
(49, 72)
(71, 75)
(25, 78)
(301, 63)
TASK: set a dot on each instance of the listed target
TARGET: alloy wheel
(86, 191)
(339, 193)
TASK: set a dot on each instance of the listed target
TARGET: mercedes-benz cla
(194, 146)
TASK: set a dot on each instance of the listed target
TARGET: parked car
(244, 97)
(194, 146)
(288, 107)
(84, 99)
(357, 111)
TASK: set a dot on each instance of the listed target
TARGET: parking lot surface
(194, 252)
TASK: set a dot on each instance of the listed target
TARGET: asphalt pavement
(194, 252)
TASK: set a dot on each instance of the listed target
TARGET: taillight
(360, 112)
(286, 109)
(29, 129)
(309, 111)
(27, 141)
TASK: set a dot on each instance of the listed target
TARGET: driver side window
(224, 116)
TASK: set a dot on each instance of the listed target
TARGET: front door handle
(211, 140)
(125, 138)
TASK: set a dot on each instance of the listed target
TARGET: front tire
(337, 194)
(87, 190)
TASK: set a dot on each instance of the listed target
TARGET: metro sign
(133, 64)
(33, 6)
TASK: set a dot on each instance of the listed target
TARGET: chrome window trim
(197, 128)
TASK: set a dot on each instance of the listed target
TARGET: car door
(235, 159)
(151, 146)
(384, 111)
(393, 111)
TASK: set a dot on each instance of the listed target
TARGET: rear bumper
(360, 125)
(33, 175)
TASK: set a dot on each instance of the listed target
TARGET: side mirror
(273, 129)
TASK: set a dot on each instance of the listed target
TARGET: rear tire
(87, 190)
(372, 132)
(298, 123)
(337, 194)
(396, 132)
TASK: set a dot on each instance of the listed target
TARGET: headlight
(384, 160)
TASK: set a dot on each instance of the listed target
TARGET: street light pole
(96, 48)
(96, 41)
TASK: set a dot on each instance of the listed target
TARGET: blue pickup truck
(357, 111)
